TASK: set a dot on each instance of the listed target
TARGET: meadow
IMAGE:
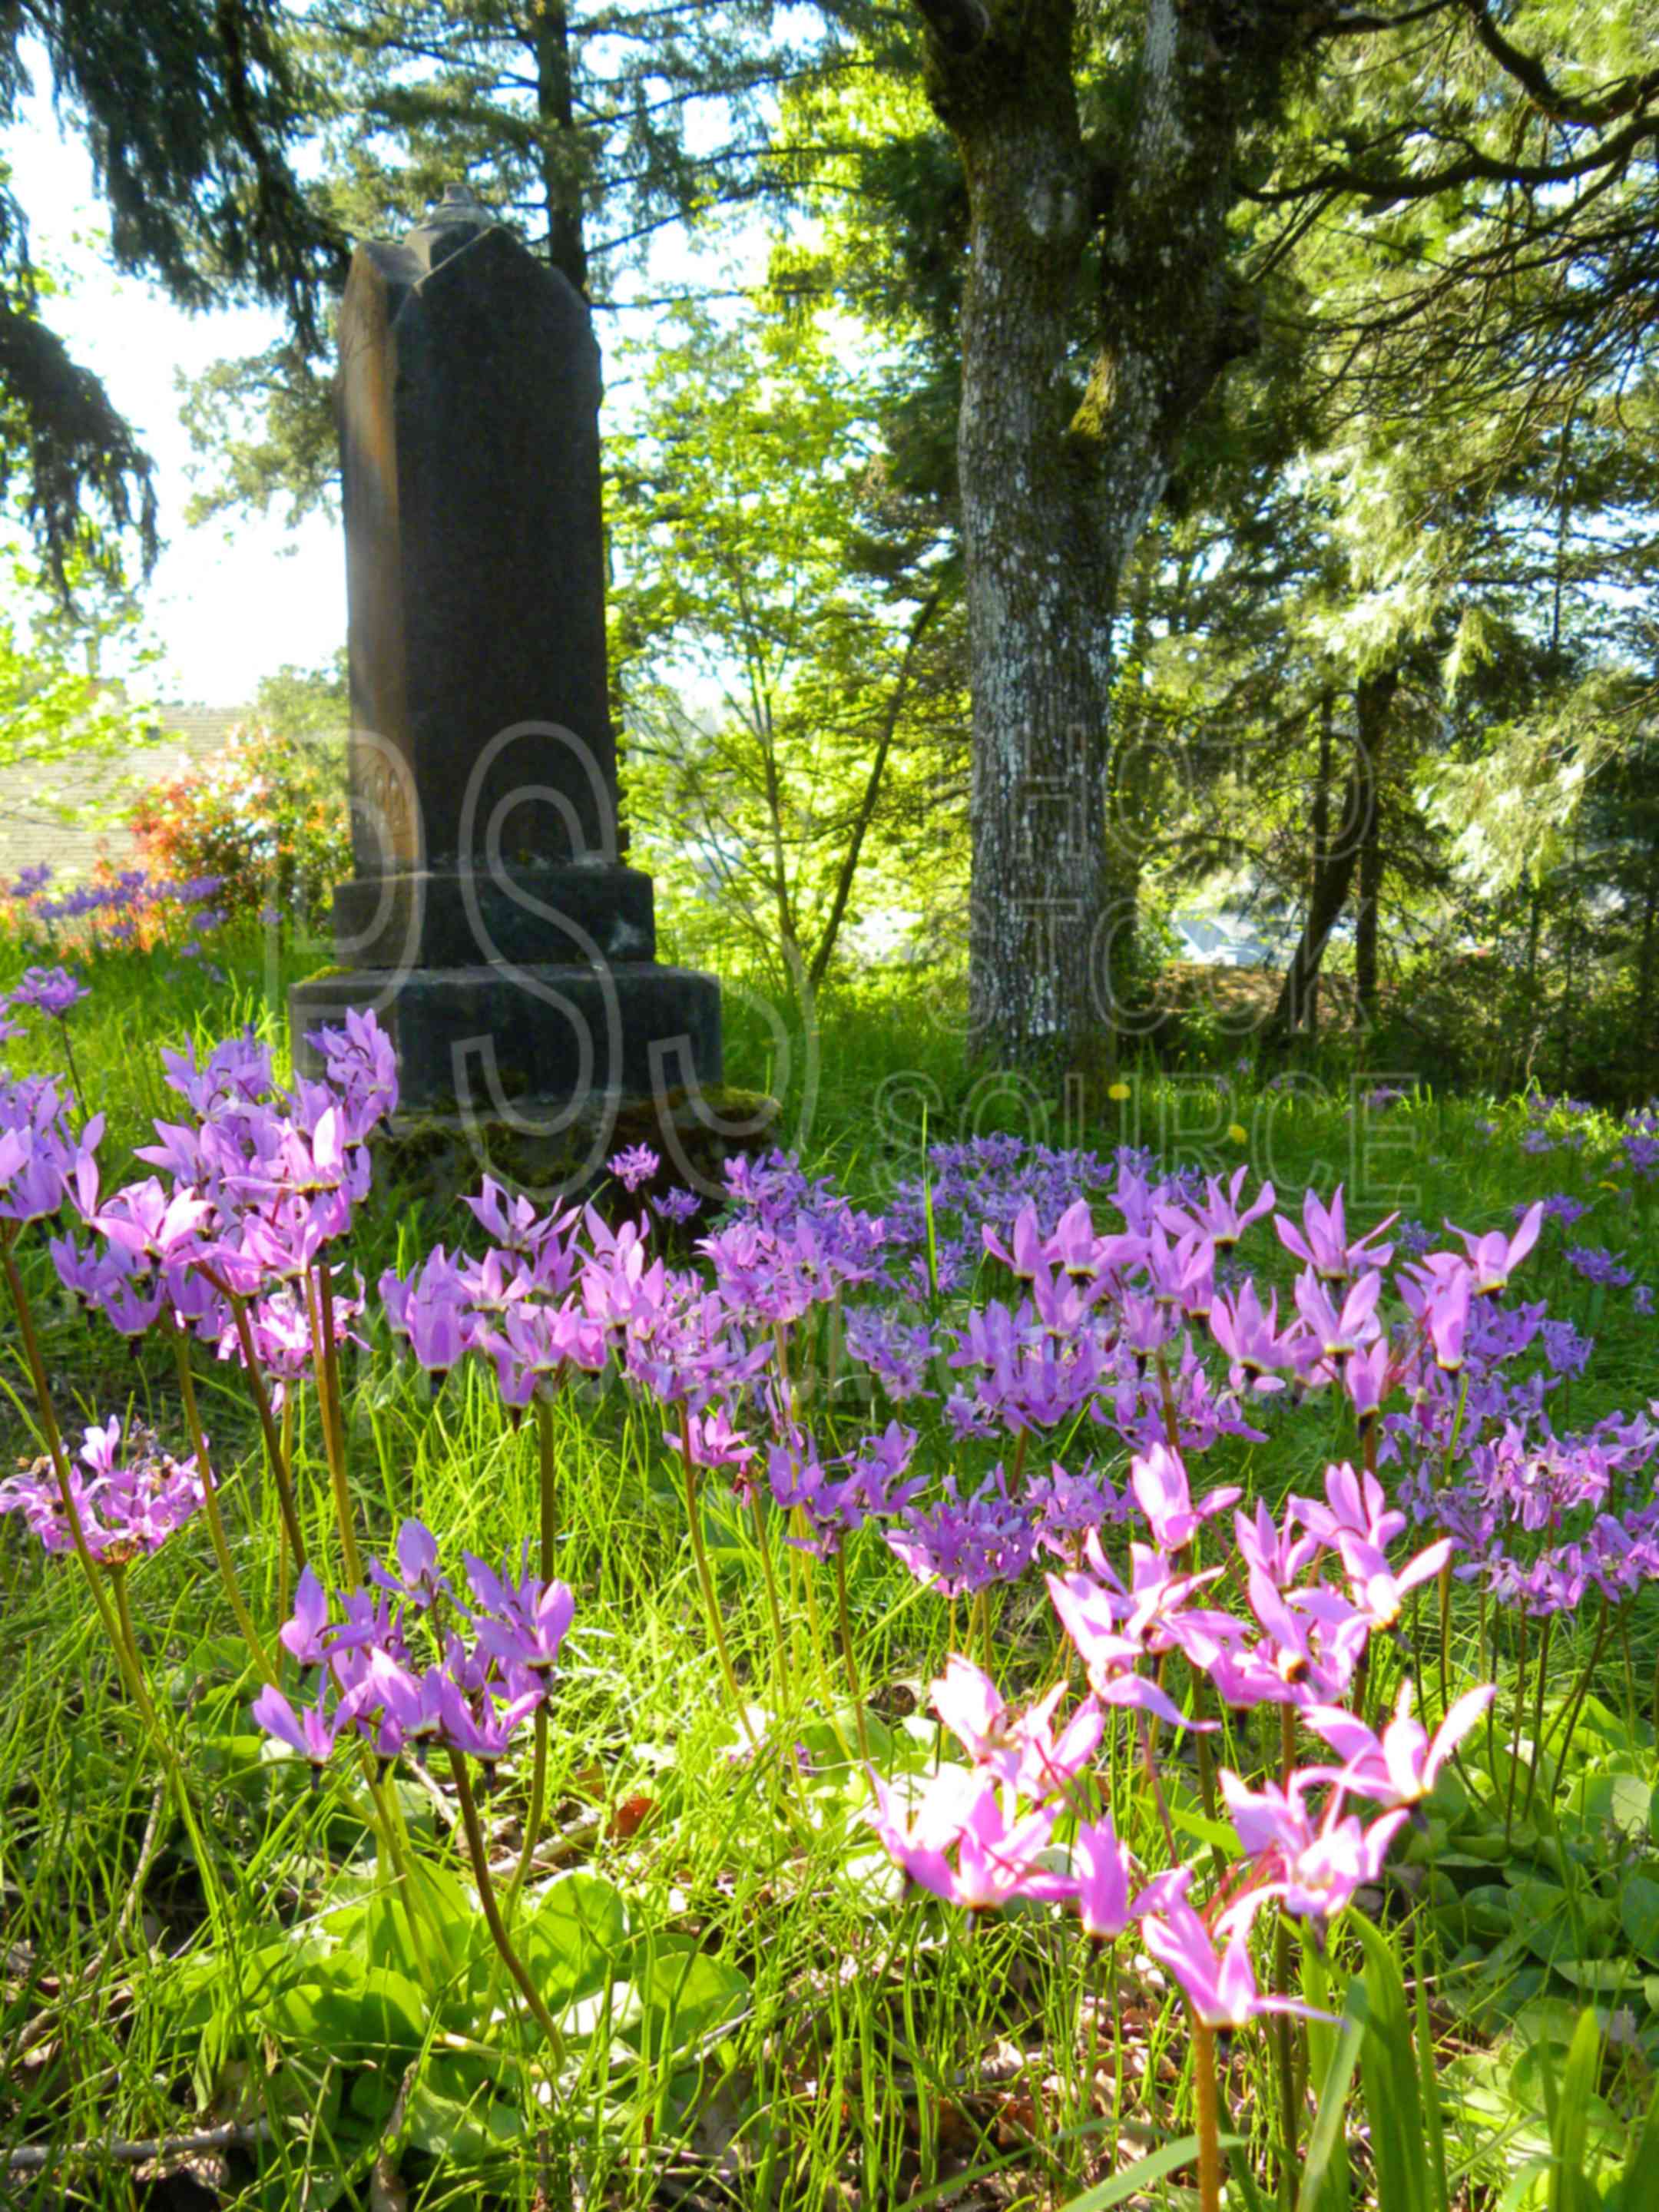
(993, 1661)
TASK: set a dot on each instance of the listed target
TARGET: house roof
(32, 830)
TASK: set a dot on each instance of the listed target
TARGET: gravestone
(491, 920)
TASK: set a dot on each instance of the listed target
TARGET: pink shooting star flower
(522, 1624)
(1088, 1614)
(1439, 1297)
(1144, 1326)
(1217, 1216)
(153, 1225)
(1100, 1870)
(1020, 1749)
(1380, 1592)
(1075, 1248)
(1494, 1257)
(1280, 1554)
(515, 1224)
(1367, 1378)
(916, 1836)
(1028, 1256)
(1158, 1478)
(301, 1634)
(1250, 1338)
(1312, 1869)
(430, 1310)
(311, 1733)
(1400, 1766)
(418, 1580)
(1356, 1506)
(1175, 1270)
(1316, 1637)
(1219, 1986)
(1323, 1243)
(1336, 1335)
(997, 1856)
(711, 1440)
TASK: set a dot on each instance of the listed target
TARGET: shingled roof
(32, 830)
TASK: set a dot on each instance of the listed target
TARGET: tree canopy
(1146, 458)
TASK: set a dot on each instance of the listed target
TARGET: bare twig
(115, 2150)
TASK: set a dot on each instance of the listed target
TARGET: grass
(756, 2016)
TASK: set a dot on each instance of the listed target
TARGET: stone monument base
(582, 911)
(520, 1044)
(440, 1158)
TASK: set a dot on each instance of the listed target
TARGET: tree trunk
(1372, 701)
(1322, 829)
(1041, 582)
(1054, 496)
(1649, 945)
(560, 165)
(1365, 920)
(1128, 823)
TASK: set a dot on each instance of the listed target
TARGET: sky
(234, 600)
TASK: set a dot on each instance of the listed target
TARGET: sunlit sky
(230, 601)
(237, 597)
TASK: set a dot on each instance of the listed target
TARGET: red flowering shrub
(266, 813)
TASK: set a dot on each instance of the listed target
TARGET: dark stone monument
(490, 921)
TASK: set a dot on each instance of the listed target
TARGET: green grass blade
(1638, 2185)
(1429, 2080)
(1328, 2131)
(1141, 2175)
(1570, 2187)
(1394, 2100)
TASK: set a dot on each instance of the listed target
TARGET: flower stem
(113, 1613)
(815, 1635)
(74, 1072)
(706, 1581)
(846, 1619)
(118, 1584)
(328, 1406)
(210, 1500)
(480, 1857)
(769, 1576)
(1284, 2053)
(1282, 2033)
(283, 1474)
(537, 1809)
(1630, 1669)
(545, 1469)
(1445, 1635)
(1166, 1394)
(1538, 1714)
(1519, 1712)
(1452, 1441)
(1150, 1767)
(988, 1648)
(1575, 1699)
(1208, 2117)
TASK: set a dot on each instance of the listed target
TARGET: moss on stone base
(440, 1155)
